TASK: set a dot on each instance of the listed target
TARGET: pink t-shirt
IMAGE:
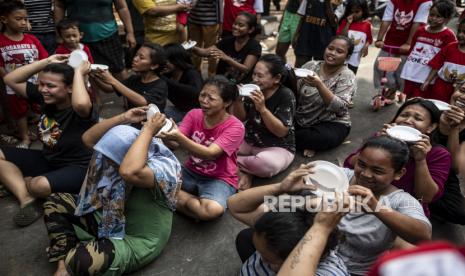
(228, 136)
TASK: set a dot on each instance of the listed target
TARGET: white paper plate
(153, 109)
(98, 66)
(166, 127)
(404, 133)
(247, 89)
(189, 44)
(303, 73)
(440, 104)
(76, 58)
(328, 178)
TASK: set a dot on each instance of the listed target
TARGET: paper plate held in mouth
(76, 58)
(303, 73)
(328, 178)
(404, 133)
(440, 104)
(98, 66)
(189, 44)
(247, 89)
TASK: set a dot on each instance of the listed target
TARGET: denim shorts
(206, 187)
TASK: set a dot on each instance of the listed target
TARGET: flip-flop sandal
(28, 214)
(23, 145)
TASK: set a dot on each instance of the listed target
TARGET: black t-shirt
(282, 105)
(60, 131)
(184, 94)
(154, 92)
(252, 47)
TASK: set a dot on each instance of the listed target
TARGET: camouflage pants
(82, 258)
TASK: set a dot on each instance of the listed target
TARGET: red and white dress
(360, 33)
(450, 63)
(233, 7)
(402, 15)
(425, 47)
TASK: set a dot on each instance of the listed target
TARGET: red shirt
(14, 54)
(403, 15)
(232, 8)
(61, 49)
(360, 33)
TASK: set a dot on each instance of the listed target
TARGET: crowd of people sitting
(118, 180)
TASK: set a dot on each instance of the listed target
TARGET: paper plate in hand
(404, 133)
(189, 44)
(98, 66)
(76, 58)
(328, 178)
(303, 73)
(153, 109)
(166, 127)
(247, 89)
(440, 104)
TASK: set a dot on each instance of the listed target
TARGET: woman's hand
(155, 123)
(258, 100)
(313, 81)
(172, 135)
(83, 68)
(135, 115)
(421, 148)
(453, 117)
(218, 54)
(385, 128)
(58, 58)
(379, 44)
(364, 197)
(104, 76)
(332, 213)
(295, 181)
(404, 48)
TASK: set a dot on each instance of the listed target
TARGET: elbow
(87, 140)
(429, 197)
(82, 109)
(129, 175)
(281, 133)
(8, 80)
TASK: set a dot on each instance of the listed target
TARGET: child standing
(426, 43)
(401, 20)
(69, 32)
(355, 26)
(17, 49)
(181, 20)
(449, 67)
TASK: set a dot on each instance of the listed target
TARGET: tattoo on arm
(300, 246)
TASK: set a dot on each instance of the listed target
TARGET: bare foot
(61, 269)
(308, 153)
(245, 181)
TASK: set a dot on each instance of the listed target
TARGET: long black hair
(363, 4)
(178, 56)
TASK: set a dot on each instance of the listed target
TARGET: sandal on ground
(8, 140)
(28, 214)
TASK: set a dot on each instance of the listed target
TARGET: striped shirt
(207, 12)
(331, 265)
(40, 15)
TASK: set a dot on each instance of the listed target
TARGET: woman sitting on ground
(67, 113)
(238, 54)
(123, 156)
(268, 114)
(451, 206)
(264, 248)
(212, 137)
(183, 80)
(145, 86)
(428, 168)
(369, 231)
(322, 113)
